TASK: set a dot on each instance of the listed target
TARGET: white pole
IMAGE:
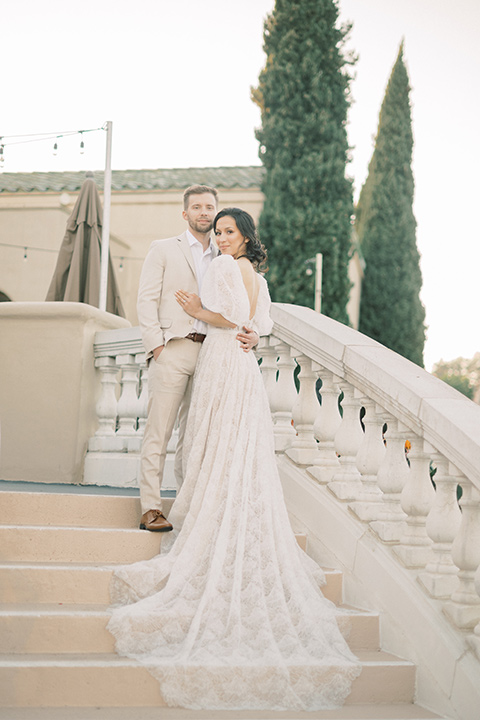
(107, 193)
(318, 281)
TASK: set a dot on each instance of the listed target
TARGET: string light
(30, 248)
(38, 137)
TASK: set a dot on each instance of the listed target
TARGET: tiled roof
(249, 176)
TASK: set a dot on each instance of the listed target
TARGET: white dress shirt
(201, 261)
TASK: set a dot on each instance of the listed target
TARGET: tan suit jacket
(168, 267)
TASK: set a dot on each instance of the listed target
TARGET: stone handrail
(398, 428)
(425, 404)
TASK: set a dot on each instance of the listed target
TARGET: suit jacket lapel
(185, 246)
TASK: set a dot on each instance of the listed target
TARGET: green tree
(303, 94)
(463, 374)
(391, 310)
(460, 383)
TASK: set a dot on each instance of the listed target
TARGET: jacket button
(191, 321)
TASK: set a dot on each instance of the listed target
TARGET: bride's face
(229, 238)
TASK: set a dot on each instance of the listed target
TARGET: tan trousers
(169, 389)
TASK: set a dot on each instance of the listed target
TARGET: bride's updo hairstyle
(254, 249)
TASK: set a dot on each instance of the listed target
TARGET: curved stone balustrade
(360, 462)
(442, 426)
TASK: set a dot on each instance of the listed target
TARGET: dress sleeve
(223, 291)
(262, 322)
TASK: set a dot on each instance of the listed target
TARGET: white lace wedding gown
(230, 615)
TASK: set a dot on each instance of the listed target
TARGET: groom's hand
(247, 339)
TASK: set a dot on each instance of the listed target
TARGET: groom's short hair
(198, 190)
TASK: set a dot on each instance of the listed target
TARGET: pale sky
(174, 77)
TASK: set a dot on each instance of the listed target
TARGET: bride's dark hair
(254, 249)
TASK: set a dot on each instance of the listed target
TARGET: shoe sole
(164, 529)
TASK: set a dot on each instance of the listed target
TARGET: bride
(230, 615)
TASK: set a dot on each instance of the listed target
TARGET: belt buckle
(196, 337)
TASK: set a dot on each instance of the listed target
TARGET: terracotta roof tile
(249, 176)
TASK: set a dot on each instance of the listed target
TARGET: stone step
(31, 629)
(71, 509)
(110, 681)
(404, 711)
(56, 544)
(57, 554)
(31, 543)
(85, 584)
(55, 583)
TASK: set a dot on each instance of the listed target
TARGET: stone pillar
(368, 461)
(303, 449)
(127, 407)
(474, 640)
(346, 483)
(325, 427)
(106, 407)
(282, 402)
(416, 500)
(268, 367)
(393, 473)
(464, 606)
(443, 524)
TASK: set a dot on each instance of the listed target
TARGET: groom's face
(200, 212)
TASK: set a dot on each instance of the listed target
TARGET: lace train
(230, 615)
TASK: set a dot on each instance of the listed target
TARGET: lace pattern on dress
(230, 615)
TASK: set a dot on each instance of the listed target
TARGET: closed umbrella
(77, 274)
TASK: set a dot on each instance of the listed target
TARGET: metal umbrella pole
(107, 193)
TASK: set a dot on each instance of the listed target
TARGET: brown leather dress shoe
(155, 521)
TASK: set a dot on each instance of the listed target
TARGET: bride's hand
(190, 302)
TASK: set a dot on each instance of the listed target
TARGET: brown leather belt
(196, 337)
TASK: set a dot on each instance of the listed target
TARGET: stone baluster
(368, 461)
(282, 402)
(443, 524)
(393, 473)
(268, 367)
(346, 483)
(416, 500)
(325, 427)
(474, 640)
(464, 605)
(127, 407)
(105, 439)
(139, 405)
(303, 449)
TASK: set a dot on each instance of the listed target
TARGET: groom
(172, 341)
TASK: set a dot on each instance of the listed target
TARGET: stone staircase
(57, 660)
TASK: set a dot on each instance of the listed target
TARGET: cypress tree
(303, 94)
(391, 310)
